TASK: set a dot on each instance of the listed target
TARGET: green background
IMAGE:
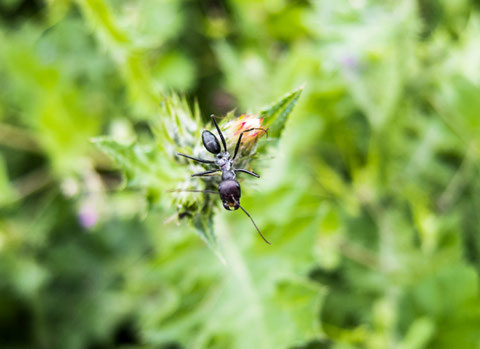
(371, 199)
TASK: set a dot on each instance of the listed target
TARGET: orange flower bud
(244, 122)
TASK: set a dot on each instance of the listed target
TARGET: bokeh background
(371, 199)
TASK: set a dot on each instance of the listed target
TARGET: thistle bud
(244, 122)
(155, 166)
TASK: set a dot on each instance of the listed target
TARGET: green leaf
(419, 333)
(142, 164)
(7, 192)
(58, 111)
(276, 115)
(131, 60)
(236, 305)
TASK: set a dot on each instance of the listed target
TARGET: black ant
(229, 188)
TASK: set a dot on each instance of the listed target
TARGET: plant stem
(242, 278)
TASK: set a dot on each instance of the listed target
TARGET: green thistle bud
(154, 167)
(233, 128)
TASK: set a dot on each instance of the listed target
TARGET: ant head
(230, 194)
(210, 142)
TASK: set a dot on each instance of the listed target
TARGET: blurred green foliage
(370, 197)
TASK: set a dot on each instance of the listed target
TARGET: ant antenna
(219, 132)
(263, 237)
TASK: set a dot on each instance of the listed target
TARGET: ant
(229, 188)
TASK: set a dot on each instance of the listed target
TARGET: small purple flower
(349, 61)
(88, 216)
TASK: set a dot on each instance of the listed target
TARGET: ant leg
(219, 132)
(196, 159)
(204, 173)
(240, 139)
(251, 173)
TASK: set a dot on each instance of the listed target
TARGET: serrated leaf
(141, 164)
(276, 115)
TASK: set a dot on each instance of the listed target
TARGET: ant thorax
(228, 175)
(225, 164)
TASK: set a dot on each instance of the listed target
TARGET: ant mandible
(229, 188)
